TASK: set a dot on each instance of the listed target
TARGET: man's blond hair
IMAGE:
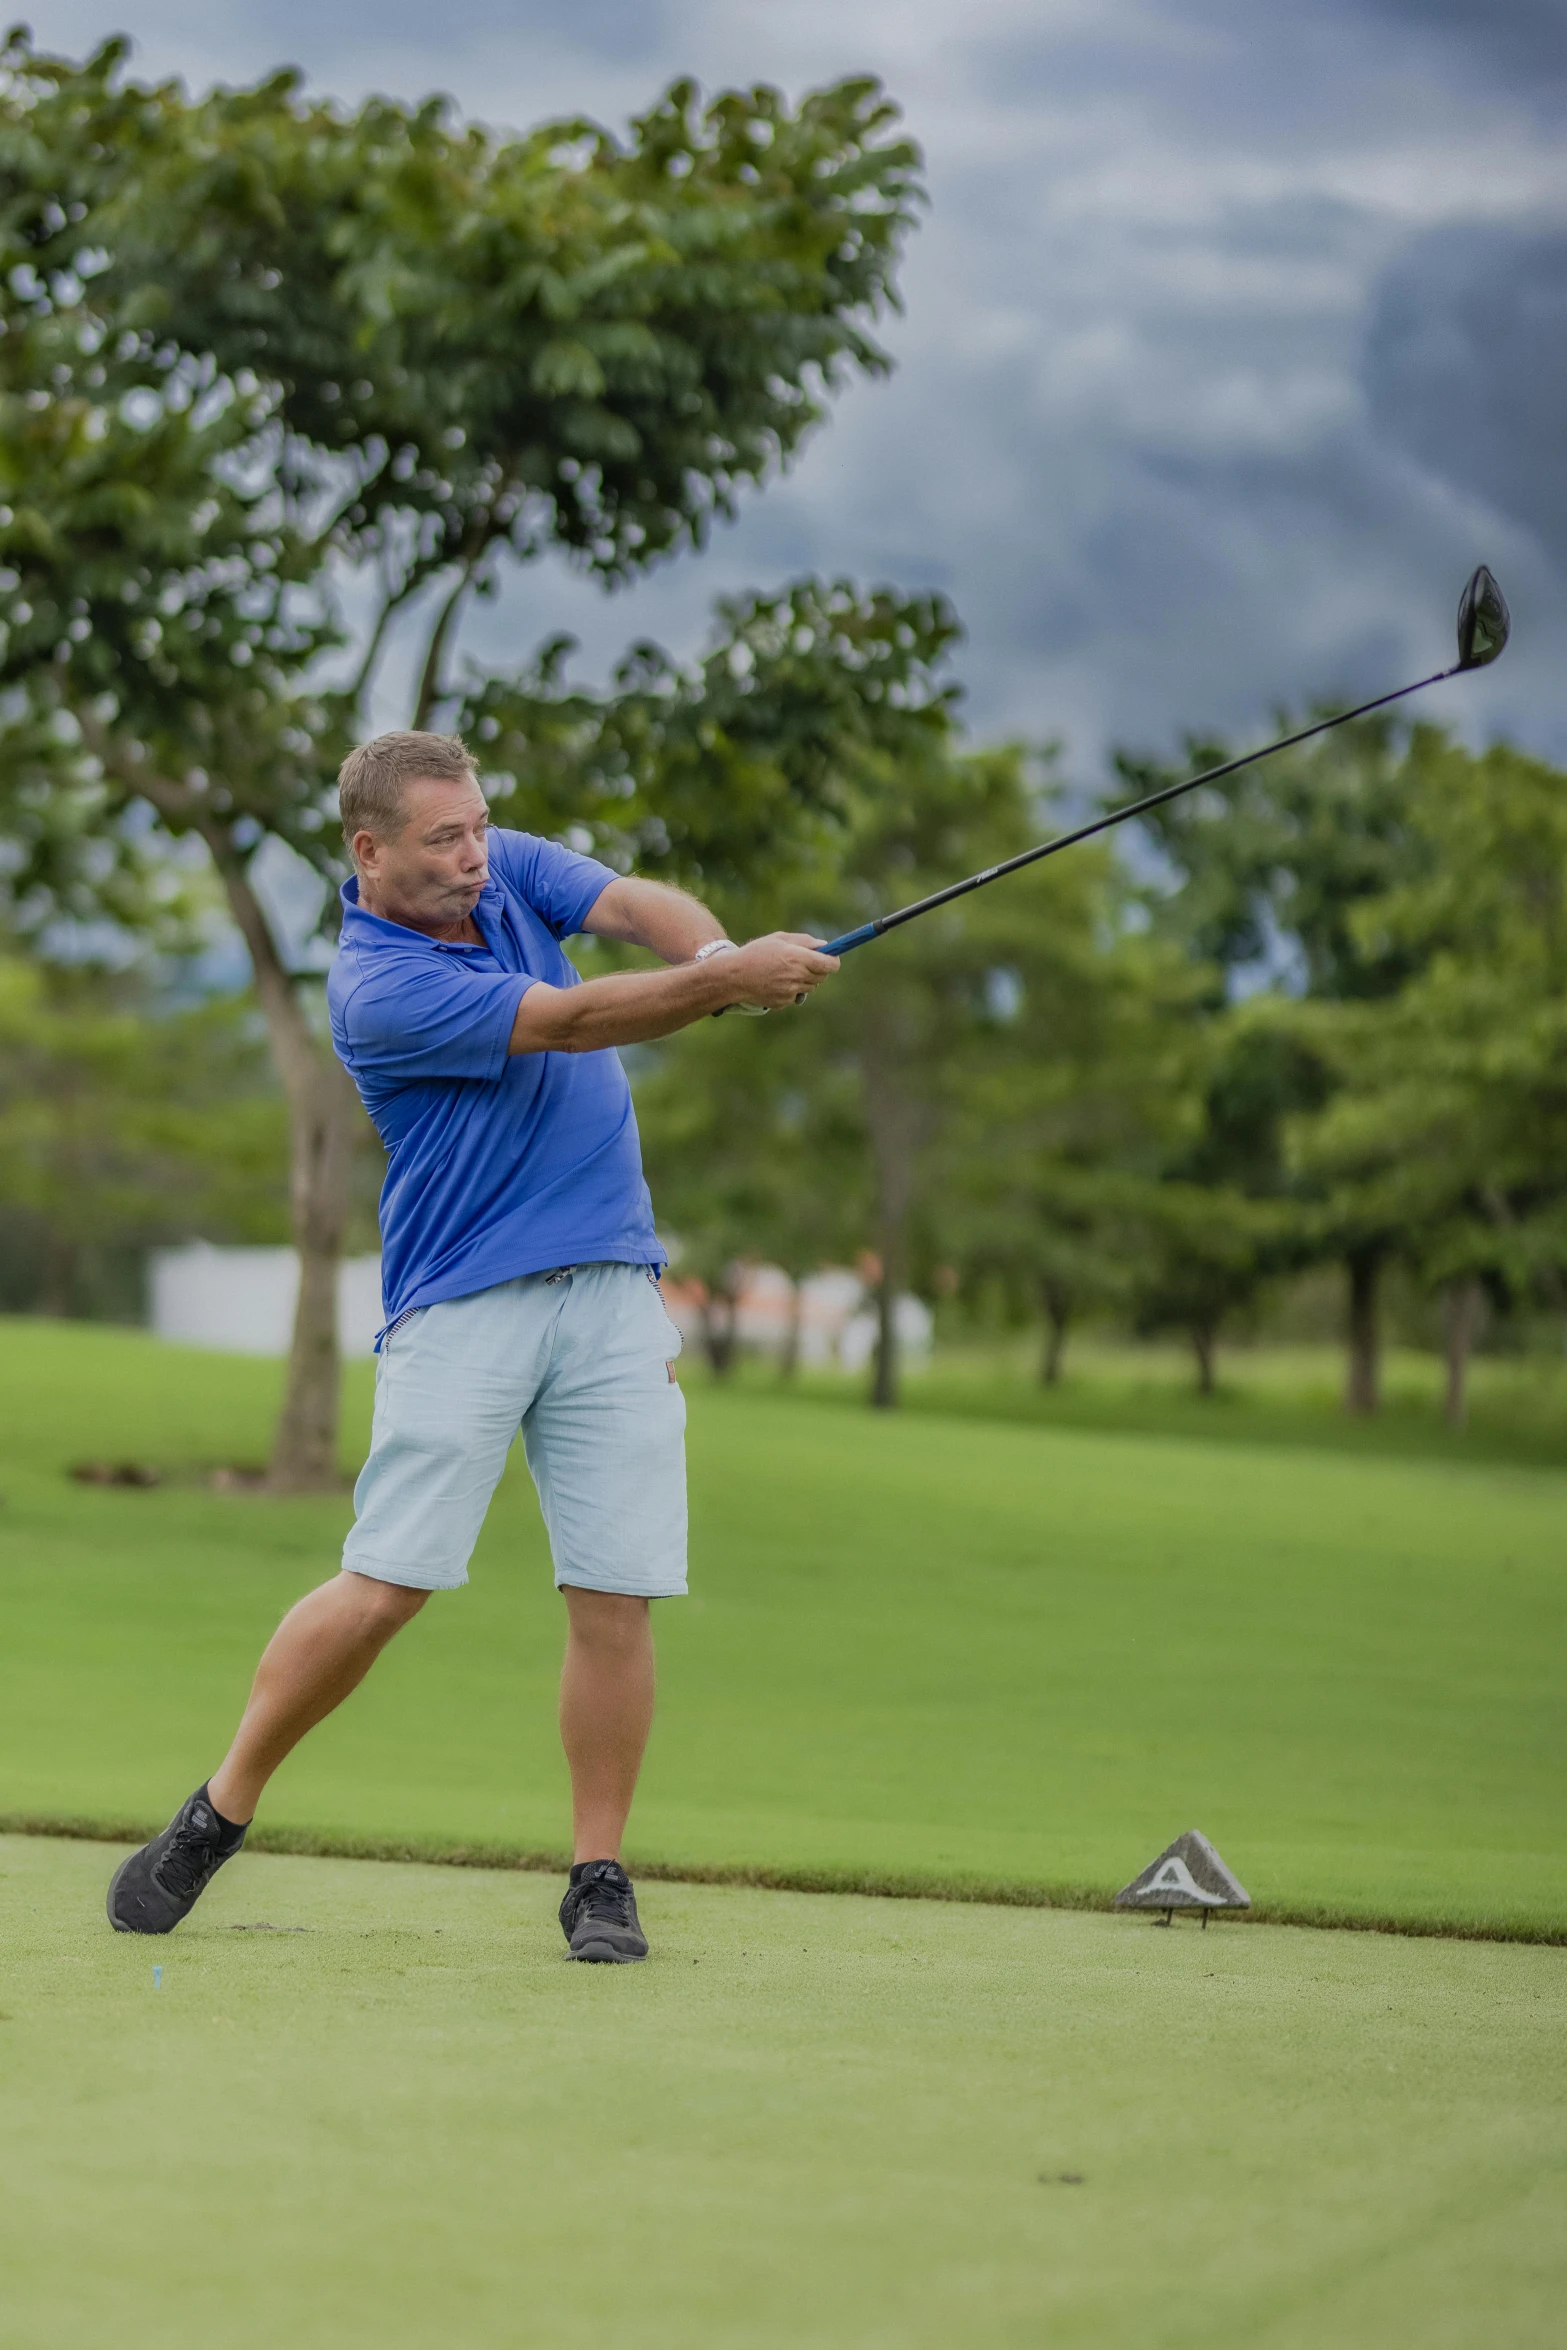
(372, 780)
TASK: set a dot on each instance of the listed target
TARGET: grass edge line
(878, 1884)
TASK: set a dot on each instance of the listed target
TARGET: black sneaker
(599, 1915)
(156, 1887)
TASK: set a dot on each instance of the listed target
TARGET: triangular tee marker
(1188, 1874)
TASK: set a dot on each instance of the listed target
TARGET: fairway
(808, 2120)
(940, 1653)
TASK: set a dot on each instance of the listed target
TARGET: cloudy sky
(1235, 336)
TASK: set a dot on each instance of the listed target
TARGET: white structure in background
(837, 1327)
(241, 1300)
(912, 1321)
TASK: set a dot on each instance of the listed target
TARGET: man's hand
(777, 970)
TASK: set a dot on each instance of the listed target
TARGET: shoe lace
(188, 1862)
(605, 1901)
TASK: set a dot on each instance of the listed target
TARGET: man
(519, 1280)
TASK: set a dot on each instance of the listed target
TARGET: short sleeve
(432, 1018)
(560, 886)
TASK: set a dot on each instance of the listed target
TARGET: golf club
(1483, 625)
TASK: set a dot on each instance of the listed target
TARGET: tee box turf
(1188, 1874)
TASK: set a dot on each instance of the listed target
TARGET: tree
(257, 351)
(1445, 1136)
(906, 1011)
(1078, 1095)
(1203, 1253)
(1273, 867)
(123, 1124)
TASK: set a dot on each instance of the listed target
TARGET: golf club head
(1483, 621)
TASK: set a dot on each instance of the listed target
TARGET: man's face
(430, 876)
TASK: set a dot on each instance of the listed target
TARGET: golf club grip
(852, 939)
(835, 946)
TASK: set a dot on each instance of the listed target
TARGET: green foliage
(562, 338)
(121, 1127)
(1448, 1125)
(250, 340)
(1271, 864)
(1271, 871)
(740, 775)
(1081, 1091)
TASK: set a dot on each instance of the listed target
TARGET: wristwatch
(726, 946)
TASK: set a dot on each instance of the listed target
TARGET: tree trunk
(323, 1134)
(884, 1376)
(1058, 1315)
(61, 1257)
(1462, 1308)
(898, 1125)
(718, 1332)
(789, 1353)
(894, 1199)
(1362, 1386)
(1205, 1346)
(324, 1118)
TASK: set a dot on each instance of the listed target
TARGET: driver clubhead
(1483, 621)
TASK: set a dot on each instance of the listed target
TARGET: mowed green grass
(807, 2124)
(1267, 1394)
(919, 1648)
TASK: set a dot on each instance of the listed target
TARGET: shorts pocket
(672, 1340)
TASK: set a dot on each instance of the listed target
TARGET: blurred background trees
(123, 1125)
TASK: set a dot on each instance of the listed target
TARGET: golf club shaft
(1066, 840)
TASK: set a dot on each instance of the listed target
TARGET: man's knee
(382, 1607)
(607, 1620)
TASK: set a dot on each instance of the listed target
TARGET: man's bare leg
(321, 1651)
(606, 1711)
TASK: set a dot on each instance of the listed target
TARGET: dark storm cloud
(1466, 368)
(1517, 45)
(1522, 42)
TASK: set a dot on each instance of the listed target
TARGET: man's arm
(651, 914)
(634, 1007)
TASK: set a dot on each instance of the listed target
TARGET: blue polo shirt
(498, 1163)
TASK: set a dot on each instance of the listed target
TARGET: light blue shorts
(579, 1361)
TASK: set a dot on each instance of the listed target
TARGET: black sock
(232, 1831)
(580, 1867)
